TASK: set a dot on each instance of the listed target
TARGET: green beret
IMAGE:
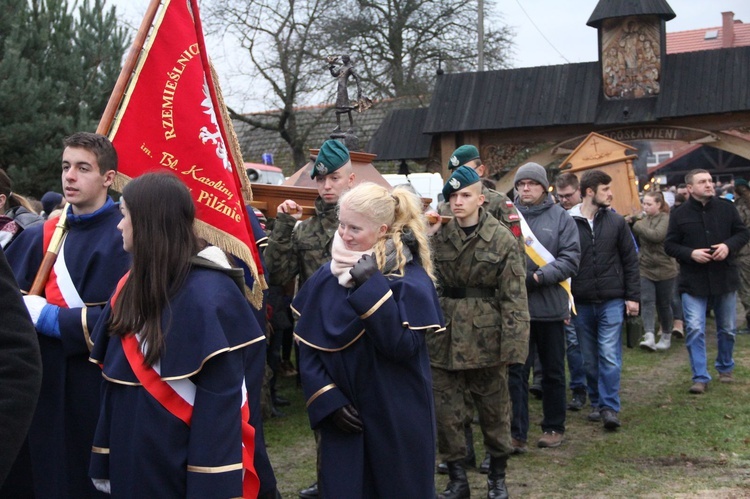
(738, 182)
(463, 176)
(462, 155)
(332, 156)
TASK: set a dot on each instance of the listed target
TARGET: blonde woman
(364, 364)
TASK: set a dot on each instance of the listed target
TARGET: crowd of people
(137, 368)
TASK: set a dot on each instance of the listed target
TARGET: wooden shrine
(616, 160)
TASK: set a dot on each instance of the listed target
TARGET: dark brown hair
(162, 214)
(692, 173)
(567, 179)
(99, 145)
(592, 179)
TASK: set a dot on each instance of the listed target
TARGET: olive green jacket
(653, 262)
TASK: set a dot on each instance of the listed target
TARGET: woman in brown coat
(658, 271)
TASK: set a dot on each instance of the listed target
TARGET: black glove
(364, 269)
(347, 419)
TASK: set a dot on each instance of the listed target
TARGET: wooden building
(634, 92)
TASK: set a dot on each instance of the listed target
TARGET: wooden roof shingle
(692, 84)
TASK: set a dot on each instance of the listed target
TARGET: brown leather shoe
(698, 388)
(519, 446)
(550, 439)
(726, 377)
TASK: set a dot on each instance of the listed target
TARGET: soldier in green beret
(501, 207)
(299, 249)
(495, 203)
(481, 277)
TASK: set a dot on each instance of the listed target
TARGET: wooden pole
(42, 275)
(128, 68)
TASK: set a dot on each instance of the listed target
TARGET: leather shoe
(280, 401)
(519, 446)
(594, 416)
(310, 492)
(550, 439)
(726, 377)
(609, 419)
(577, 402)
(699, 388)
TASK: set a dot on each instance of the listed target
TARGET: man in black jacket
(704, 235)
(606, 287)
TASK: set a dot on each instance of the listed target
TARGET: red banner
(172, 118)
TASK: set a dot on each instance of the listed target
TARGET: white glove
(35, 305)
(102, 485)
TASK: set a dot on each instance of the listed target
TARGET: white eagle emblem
(321, 169)
(454, 161)
(454, 182)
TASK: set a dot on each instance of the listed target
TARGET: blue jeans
(575, 359)
(599, 328)
(694, 310)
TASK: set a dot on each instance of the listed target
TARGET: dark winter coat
(693, 226)
(609, 263)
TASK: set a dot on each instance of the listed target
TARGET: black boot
(458, 485)
(496, 488)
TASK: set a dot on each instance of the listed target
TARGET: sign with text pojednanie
(172, 118)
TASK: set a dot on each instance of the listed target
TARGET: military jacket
(499, 206)
(480, 331)
(302, 249)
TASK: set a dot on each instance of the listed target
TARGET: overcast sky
(547, 32)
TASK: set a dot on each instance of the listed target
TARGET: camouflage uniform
(486, 330)
(499, 206)
(743, 256)
(301, 250)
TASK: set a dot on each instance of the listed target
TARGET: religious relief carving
(631, 60)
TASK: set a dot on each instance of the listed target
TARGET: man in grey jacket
(552, 257)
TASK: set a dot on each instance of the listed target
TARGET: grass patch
(671, 444)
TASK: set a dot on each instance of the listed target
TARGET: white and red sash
(59, 288)
(178, 397)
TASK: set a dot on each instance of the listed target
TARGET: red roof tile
(694, 40)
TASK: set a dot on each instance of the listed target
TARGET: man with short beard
(606, 287)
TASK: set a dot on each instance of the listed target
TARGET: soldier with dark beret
(481, 274)
(501, 207)
(299, 249)
(495, 203)
(302, 250)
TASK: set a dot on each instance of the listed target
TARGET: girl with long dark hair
(174, 343)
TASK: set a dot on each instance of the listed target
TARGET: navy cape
(366, 347)
(144, 450)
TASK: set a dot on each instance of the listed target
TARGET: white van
(427, 185)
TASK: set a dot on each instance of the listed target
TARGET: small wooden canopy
(616, 160)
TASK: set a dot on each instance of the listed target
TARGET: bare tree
(283, 42)
(398, 43)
